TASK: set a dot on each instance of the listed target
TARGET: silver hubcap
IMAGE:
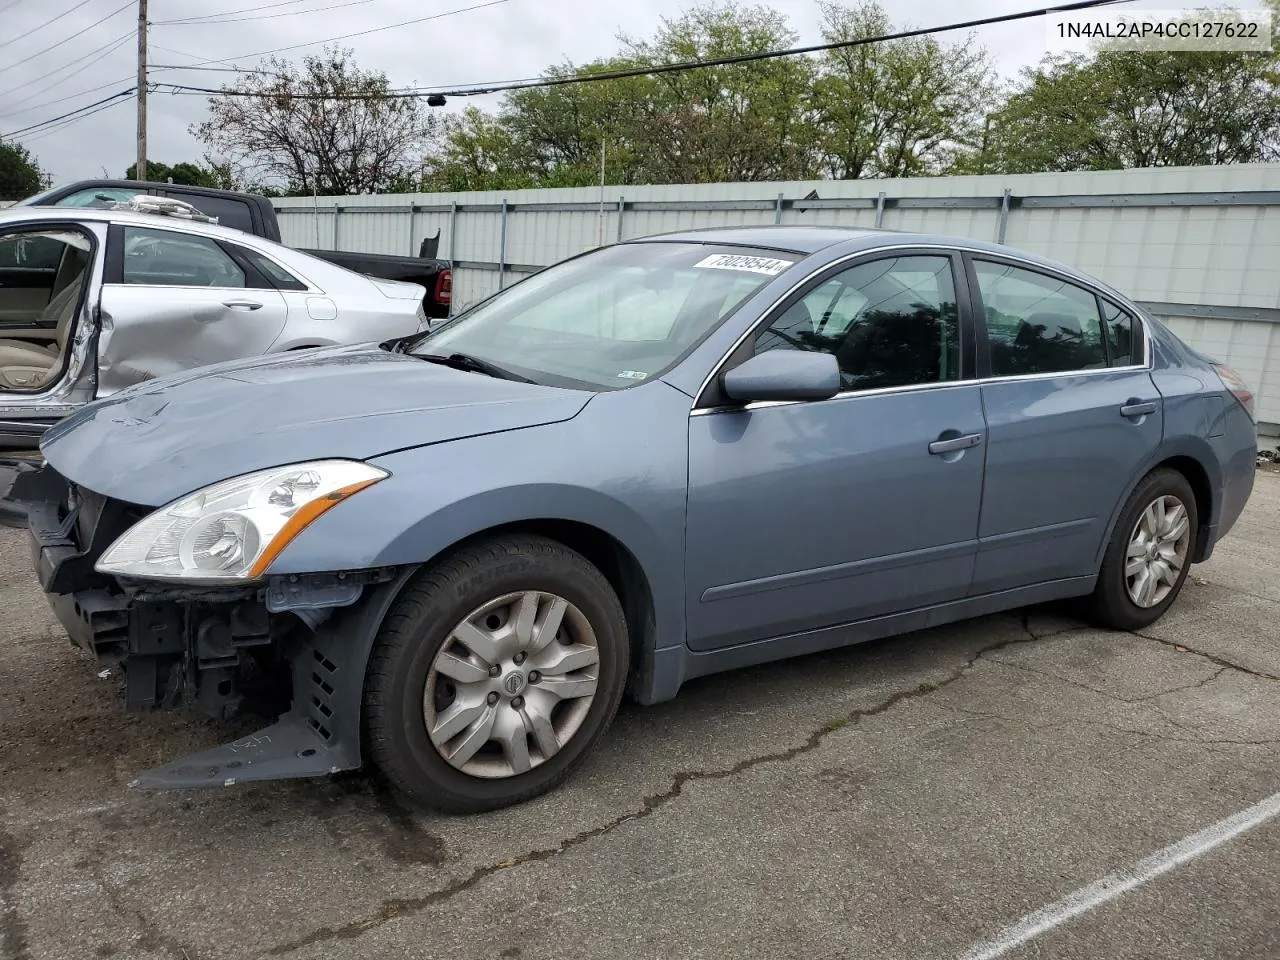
(512, 684)
(1157, 551)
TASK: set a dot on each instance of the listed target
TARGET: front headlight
(234, 529)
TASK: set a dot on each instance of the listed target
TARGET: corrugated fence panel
(1198, 243)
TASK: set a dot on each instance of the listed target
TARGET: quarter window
(1119, 327)
(1037, 323)
(889, 322)
(164, 258)
(281, 277)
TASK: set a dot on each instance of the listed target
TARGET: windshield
(611, 318)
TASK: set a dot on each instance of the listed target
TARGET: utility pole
(141, 172)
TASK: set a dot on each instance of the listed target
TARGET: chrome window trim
(1123, 302)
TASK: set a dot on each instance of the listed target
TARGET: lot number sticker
(730, 261)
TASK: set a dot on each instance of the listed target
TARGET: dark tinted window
(889, 323)
(230, 213)
(1037, 323)
(98, 198)
(165, 258)
(1122, 345)
(281, 277)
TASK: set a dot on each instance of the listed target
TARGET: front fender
(617, 467)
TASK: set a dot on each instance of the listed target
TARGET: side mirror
(783, 375)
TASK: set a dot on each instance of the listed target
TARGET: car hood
(158, 441)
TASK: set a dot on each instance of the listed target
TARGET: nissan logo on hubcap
(514, 683)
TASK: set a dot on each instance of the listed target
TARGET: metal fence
(1199, 246)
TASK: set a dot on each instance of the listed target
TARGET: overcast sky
(515, 39)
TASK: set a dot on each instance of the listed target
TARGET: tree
(900, 108)
(1123, 108)
(744, 121)
(735, 122)
(20, 175)
(186, 173)
(325, 124)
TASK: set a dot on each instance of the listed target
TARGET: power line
(361, 33)
(227, 13)
(183, 53)
(663, 68)
(71, 113)
(82, 63)
(120, 9)
(54, 128)
(5, 43)
(70, 96)
(218, 18)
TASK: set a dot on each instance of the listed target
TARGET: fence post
(413, 210)
(453, 231)
(502, 249)
(879, 209)
(777, 210)
(622, 206)
(1004, 215)
(337, 210)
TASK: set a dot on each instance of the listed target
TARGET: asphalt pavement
(936, 795)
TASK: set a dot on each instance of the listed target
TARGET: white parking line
(1115, 884)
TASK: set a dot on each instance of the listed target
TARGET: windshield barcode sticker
(730, 261)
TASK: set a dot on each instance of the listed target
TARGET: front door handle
(1137, 409)
(243, 304)
(955, 443)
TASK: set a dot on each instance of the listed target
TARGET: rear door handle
(1137, 409)
(243, 304)
(954, 444)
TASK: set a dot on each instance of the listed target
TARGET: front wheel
(494, 674)
(1149, 555)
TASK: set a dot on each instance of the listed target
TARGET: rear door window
(1038, 323)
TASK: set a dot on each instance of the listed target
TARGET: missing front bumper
(179, 645)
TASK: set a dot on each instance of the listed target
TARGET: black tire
(1110, 604)
(420, 622)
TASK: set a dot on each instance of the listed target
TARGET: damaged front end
(194, 645)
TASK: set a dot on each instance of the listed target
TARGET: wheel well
(610, 557)
(1199, 480)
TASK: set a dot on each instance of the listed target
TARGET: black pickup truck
(255, 214)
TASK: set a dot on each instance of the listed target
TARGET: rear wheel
(1149, 555)
(494, 674)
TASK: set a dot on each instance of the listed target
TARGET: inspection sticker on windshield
(632, 375)
(732, 261)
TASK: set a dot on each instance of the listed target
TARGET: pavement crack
(402, 907)
(1180, 689)
(1049, 675)
(1212, 658)
(13, 929)
(1076, 722)
(149, 935)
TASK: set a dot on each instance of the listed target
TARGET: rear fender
(1192, 448)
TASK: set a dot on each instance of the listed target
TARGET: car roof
(808, 240)
(129, 217)
(790, 239)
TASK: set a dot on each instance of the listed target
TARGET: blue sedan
(648, 463)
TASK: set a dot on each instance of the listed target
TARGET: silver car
(92, 301)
